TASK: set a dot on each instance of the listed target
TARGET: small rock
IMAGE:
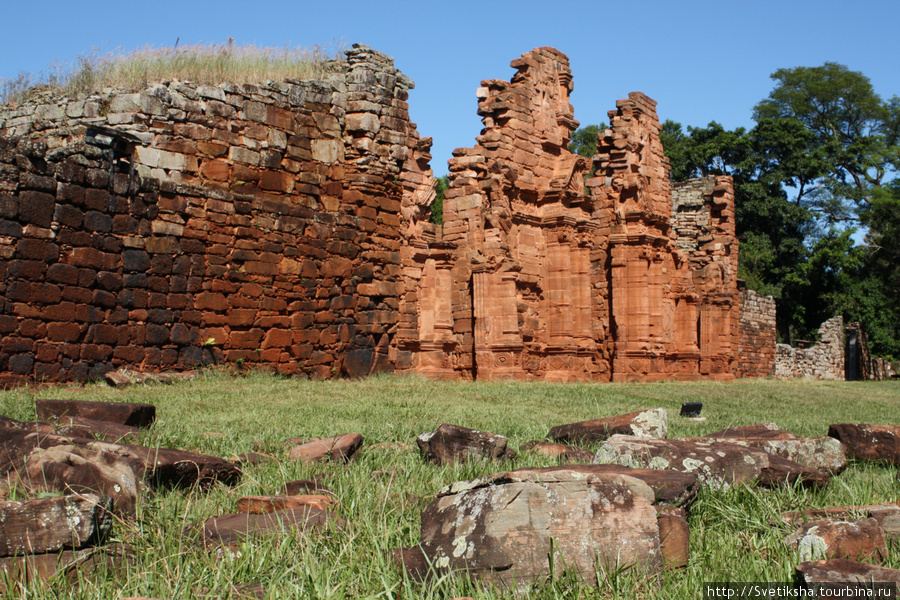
(251, 458)
(570, 454)
(301, 486)
(266, 504)
(229, 530)
(452, 443)
(336, 448)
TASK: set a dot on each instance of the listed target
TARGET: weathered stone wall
(265, 225)
(756, 348)
(825, 360)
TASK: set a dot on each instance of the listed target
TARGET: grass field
(383, 491)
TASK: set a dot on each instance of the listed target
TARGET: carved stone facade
(537, 277)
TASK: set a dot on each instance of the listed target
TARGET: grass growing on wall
(384, 490)
(204, 64)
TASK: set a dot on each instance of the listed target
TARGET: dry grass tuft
(204, 64)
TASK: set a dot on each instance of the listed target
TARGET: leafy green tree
(437, 207)
(584, 140)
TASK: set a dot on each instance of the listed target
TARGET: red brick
(245, 339)
(63, 332)
(216, 170)
(277, 338)
(210, 301)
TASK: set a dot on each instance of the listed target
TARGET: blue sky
(701, 60)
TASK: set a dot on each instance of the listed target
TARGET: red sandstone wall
(756, 351)
(265, 226)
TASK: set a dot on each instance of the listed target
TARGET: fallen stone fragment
(51, 524)
(229, 530)
(266, 504)
(768, 431)
(674, 488)
(104, 469)
(869, 442)
(124, 413)
(828, 538)
(887, 516)
(674, 537)
(123, 378)
(643, 423)
(451, 443)
(107, 431)
(841, 571)
(825, 453)
(513, 528)
(569, 454)
(336, 448)
(717, 463)
(165, 467)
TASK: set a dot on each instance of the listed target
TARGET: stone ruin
(286, 226)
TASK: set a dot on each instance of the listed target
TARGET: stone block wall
(264, 225)
(825, 360)
(756, 349)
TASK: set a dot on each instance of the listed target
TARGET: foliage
(437, 207)
(584, 140)
(383, 491)
(202, 64)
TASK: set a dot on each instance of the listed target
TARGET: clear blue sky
(701, 60)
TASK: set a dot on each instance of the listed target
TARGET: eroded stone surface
(886, 515)
(717, 463)
(825, 453)
(869, 442)
(829, 538)
(758, 431)
(642, 423)
(500, 528)
(452, 443)
(106, 470)
(229, 530)
(674, 537)
(267, 504)
(572, 454)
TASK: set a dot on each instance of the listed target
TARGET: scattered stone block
(165, 467)
(839, 571)
(511, 529)
(51, 524)
(822, 539)
(887, 516)
(251, 458)
(716, 463)
(825, 453)
(301, 486)
(674, 537)
(336, 448)
(643, 423)
(451, 443)
(267, 504)
(869, 442)
(27, 569)
(229, 530)
(124, 413)
(103, 469)
(768, 431)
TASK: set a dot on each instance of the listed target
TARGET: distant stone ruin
(286, 226)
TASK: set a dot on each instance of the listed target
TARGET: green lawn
(383, 491)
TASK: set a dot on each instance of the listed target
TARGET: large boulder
(451, 443)
(717, 463)
(869, 442)
(643, 423)
(513, 529)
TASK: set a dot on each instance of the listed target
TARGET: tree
(584, 140)
(437, 207)
(851, 135)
